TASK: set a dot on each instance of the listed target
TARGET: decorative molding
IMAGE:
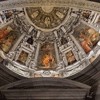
(58, 3)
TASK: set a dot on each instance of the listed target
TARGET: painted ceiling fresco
(47, 17)
(49, 41)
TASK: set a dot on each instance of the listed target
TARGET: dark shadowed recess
(95, 0)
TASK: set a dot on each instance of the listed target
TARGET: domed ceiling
(47, 17)
(49, 41)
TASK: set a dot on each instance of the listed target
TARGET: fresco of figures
(47, 56)
(66, 48)
(22, 57)
(8, 36)
(87, 37)
(47, 17)
(70, 57)
(85, 15)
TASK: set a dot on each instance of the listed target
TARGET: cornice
(83, 4)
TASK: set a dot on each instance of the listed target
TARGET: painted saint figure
(47, 21)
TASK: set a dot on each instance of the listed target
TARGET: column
(30, 29)
(57, 53)
(79, 47)
(94, 18)
(63, 29)
(56, 35)
(17, 43)
(37, 53)
(38, 34)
